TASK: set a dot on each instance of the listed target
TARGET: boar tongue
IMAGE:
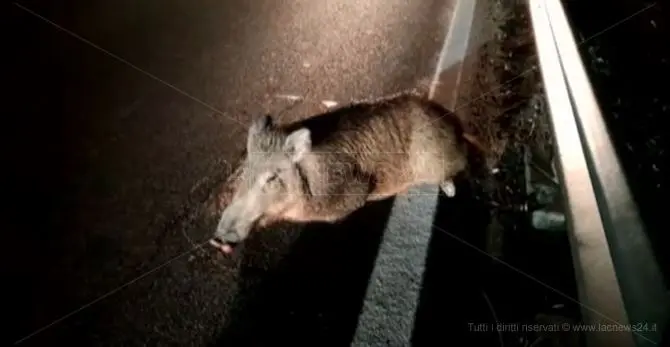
(223, 247)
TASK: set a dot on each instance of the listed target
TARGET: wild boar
(323, 168)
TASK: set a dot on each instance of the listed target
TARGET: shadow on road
(316, 291)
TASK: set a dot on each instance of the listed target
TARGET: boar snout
(233, 228)
(230, 231)
(224, 236)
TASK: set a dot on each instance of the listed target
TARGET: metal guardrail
(620, 285)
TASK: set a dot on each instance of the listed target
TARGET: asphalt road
(124, 116)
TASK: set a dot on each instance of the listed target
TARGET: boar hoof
(449, 188)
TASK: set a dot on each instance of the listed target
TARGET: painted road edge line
(455, 44)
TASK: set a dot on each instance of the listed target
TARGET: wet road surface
(125, 115)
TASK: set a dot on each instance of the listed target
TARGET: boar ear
(257, 127)
(260, 124)
(297, 144)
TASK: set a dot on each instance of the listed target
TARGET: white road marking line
(456, 41)
(392, 297)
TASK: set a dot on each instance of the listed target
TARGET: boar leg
(449, 188)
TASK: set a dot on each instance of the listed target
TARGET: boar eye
(272, 177)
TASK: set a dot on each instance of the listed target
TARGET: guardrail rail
(619, 280)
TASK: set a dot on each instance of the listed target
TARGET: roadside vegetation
(501, 98)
